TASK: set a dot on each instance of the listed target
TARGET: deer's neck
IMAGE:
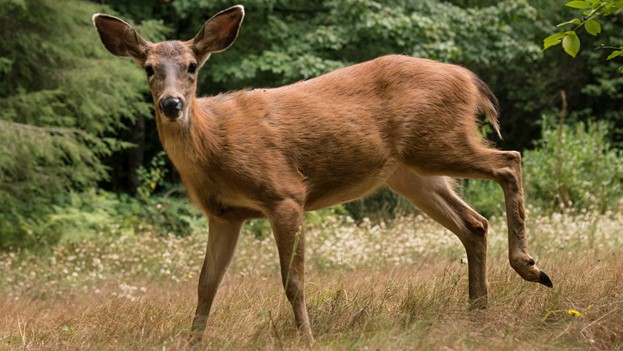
(189, 141)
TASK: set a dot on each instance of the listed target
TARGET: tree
(592, 11)
(60, 109)
(592, 83)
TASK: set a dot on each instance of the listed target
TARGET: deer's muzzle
(171, 107)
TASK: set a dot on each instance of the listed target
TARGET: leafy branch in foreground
(592, 10)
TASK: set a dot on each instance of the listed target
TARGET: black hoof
(544, 279)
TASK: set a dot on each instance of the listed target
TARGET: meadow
(395, 286)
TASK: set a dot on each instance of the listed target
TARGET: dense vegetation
(79, 155)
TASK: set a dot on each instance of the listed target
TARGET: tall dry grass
(401, 287)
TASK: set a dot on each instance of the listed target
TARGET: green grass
(398, 287)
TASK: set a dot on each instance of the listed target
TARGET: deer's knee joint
(478, 226)
(511, 166)
(513, 156)
(512, 161)
(509, 178)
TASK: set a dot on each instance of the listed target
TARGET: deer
(407, 123)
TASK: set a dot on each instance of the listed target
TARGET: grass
(398, 287)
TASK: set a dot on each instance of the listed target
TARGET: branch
(47, 130)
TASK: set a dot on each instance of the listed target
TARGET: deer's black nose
(171, 106)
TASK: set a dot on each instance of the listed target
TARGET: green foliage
(72, 217)
(571, 43)
(591, 11)
(82, 216)
(382, 205)
(68, 105)
(260, 228)
(90, 214)
(153, 176)
(593, 86)
(285, 41)
(484, 196)
(60, 109)
(353, 31)
(163, 214)
(574, 167)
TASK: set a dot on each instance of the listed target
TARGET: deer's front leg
(222, 238)
(287, 223)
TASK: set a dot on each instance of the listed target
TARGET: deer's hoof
(544, 279)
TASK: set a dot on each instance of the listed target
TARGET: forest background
(79, 151)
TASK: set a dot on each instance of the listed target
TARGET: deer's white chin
(181, 117)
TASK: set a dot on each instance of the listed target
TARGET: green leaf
(614, 54)
(571, 43)
(610, 9)
(552, 40)
(593, 27)
(578, 4)
(575, 21)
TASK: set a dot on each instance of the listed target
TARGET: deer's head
(171, 66)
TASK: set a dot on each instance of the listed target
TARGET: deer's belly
(323, 195)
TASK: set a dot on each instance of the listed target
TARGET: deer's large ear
(219, 32)
(120, 38)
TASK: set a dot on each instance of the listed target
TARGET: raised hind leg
(471, 160)
(434, 196)
(507, 171)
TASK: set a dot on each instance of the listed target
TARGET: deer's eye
(149, 70)
(192, 68)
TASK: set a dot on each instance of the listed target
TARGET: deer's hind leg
(467, 158)
(434, 196)
(286, 218)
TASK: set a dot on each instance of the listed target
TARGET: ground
(402, 286)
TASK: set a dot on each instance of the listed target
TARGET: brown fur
(396, 120)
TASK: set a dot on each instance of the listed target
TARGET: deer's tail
(489, 105)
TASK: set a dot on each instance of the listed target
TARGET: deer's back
(341, 134)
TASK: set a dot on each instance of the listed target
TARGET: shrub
(379, 206)
(484, 196)
(574, 166)
(86, 215)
